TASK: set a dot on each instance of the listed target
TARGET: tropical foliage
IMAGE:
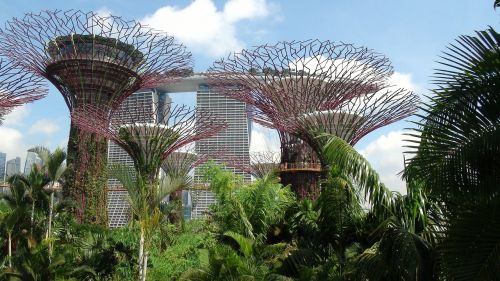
(445, 227)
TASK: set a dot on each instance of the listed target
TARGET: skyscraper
(234, 140)
(13, 167)
(118, 206)
(31, 159)
(3, 159)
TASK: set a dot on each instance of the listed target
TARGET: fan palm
(457, 156)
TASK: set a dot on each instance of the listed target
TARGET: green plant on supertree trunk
(90, 170)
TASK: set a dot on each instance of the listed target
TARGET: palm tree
(35, 182)
(14, 220)
(54, 166)
(457, 157)
(145, 200)
(393, 239)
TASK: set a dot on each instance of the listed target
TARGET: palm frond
(245, 244)
(42, 152)
(125, 174)
(477, 232)
(458, 152)
(351, 163)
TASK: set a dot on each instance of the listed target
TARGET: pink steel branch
(18, 87)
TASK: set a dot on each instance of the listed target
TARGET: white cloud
(203, 27)
(44, 126)
(264, 139)
(385, 154)
(12, 143)
(17, 115)
(402, 80)
(104, 12)
(236, 10)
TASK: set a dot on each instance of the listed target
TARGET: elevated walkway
(300, 167)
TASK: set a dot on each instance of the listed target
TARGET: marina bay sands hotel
(235, 139)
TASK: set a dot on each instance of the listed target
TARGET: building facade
(3, 160)
(31, 159)
(234, 140)
(13, 167)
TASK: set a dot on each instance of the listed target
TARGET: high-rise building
(118, 206)
(31, 159)
(234, 140)
(13, 167)
(3, 159)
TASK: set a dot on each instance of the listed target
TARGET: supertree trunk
(87, 177)
(300, 167)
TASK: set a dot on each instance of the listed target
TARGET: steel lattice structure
(18, 87)
(261, 163)
(92, 60)
(305, 88)
(180, 163)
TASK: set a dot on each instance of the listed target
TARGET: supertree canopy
(92, 60)
(308, 88)
(17, 87)
(151, 137)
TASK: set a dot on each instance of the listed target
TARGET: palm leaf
(458, 148)
(352, 164)
(245, 244)
(478, 232)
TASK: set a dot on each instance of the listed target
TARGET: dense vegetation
(446, 227)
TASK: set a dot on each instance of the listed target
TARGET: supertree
(17, 87)
(92, 60)
(306, 88)
(149, 136)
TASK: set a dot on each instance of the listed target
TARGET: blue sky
(411, 33)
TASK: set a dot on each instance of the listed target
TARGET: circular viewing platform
(300, 167)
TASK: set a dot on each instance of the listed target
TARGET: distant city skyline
(13, 167)
(33, 158)
(3, 160)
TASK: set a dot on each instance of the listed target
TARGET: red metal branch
(18, 87)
